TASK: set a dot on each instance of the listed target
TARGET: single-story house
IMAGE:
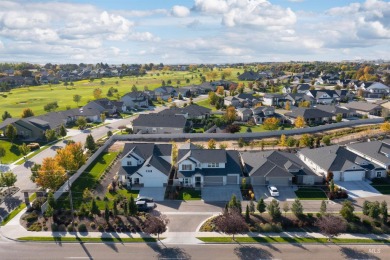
(377, 152)
(364, 108)
(311, 115)
(159, 124)
(190, 112)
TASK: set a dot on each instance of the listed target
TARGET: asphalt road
(28, 250)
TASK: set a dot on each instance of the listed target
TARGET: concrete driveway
(358, 189)
(285, 193)
(220, 193)
(157, 193)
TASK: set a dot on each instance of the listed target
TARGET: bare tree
(231, 223)
(156, 225)
(331, 226)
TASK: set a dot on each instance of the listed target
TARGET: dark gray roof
(158, 120)
(308, 113)
(274, 164)
(232, 165)
(362, 106)
(203, 155)
(378, 150)
(8, 121)
(192, 111)
(333, 109)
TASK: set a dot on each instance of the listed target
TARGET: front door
(198, 180)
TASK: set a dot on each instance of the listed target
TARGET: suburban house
(277, 168)
(159, 124)
(324, 96)
(145, 165)
(203, 167)
(301, 88)
(241, 100)
(377, 152)
(135, 99)
(334, 109)
(189, 112)
(243, 113)
(224, 83)
(344, 164)
(261, 113)
(385, 109)
(375, 87)
(105, 106)
(311, 115)
(364, 108)
(250, 76)
(164, 92)
(273, 99)
(297, 98)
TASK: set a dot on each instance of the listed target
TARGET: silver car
(273, 191)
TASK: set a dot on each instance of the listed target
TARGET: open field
(36, 97)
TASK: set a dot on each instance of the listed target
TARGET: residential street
(27, 250)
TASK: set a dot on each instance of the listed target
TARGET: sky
(193, 31)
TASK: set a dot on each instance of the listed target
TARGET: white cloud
(211, 6)
(180, 11)
(1, 45)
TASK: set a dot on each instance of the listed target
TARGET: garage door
(232, 179)
(336, 176)
(308, 180)
(353, 176)
(258, 180)
(278, 181)
(213, 180)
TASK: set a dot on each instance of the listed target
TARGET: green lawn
(189, 194)
(12, 152)
(310, 194)
(35, 97)
(259, 128)
(382, 185)
(289, 240)
(91, 239)
(205, 103)
(88, 179)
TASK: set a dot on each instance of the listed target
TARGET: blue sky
(193, 31)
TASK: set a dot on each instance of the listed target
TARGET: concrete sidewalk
(13, 230)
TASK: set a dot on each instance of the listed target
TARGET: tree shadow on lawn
(251, 252)
(354, 253)
(15, 150)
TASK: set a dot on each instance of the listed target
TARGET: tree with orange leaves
(51, 175)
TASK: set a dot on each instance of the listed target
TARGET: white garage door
(258, 180)
(213, 180)
(232, 179)
(308, 180)
(353, 176)
(278, 181)
(154, 182)
(336, 176)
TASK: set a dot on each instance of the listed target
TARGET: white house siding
(151, 177)
(187, 162)
(376, 174)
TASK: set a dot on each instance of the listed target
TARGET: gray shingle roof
(362, 106)
(375, 149)
(309, 113)
(158, 120)
(192, 111)
(333, 109)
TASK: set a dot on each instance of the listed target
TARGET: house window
(186, 167)
(129, 163)
(187, 181)
(136, 180)
(378, 174)
(213, 165)
(148, 170)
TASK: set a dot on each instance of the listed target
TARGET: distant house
(243, 113)
(165, 92)
(203, 167)
(277, 168)
(259, 114)
(241, 100)
(375, 87)
(189, 112)
(301, 88)
(135, 99)
(334, 109)
(159, 124)
(297, 98)
(324, 96)
(224, 83)
(364, 108)
(273, 99)
(145, 165)
(250, 76)
(104, 105)
(344, 164)
(311, 115)
(377, 152)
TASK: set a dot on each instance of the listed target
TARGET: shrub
(376, 223)
(54, 227)
(318, 215)
(62, 228)
(92, 225)
(70, 228)
(366, 222)
(35, 227)
(310, 215)
(31, 217)
(33, 146)
(100, 228)
(82, 228)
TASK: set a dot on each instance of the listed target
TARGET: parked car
(144, 206)
(273, 191)
(146, 199)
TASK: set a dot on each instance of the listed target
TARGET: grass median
(90, 239)
(299, 240)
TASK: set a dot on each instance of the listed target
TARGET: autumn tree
(339, 117)
(212, 75)
(385, 127)
(211, 144)
(213, 98)
(283, 141)
(156, 225)
(7, 179)
(102, 117)
(299, 122)
(220, 90)
(50, 175)
(271, 123)
(304, 104)
(97, 93)
(331, 226)
(76, 99)
(305, 141)
(230, 114)
(326, 140)
(27, 112)
(288, 105)
(71, 157)
(231, 223)
(174, 153)
(10, 132)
